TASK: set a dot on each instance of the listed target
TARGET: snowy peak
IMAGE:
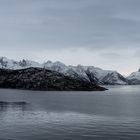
(24, 63)
(7, 63)
(106, 77)
(114, 78)
(134, 78)
(76, 72)
(28, 63)
(55, 66)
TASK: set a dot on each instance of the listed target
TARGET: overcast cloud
(103, 33)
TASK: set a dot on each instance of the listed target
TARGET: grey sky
(103, 33)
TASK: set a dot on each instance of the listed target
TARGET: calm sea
(39, 115)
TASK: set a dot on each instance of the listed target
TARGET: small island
(43, 79)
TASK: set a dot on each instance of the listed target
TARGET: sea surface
(42, 115)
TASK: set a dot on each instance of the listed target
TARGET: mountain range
(90, 74)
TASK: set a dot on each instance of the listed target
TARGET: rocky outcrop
(43, 79)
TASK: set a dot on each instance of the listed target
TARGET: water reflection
(18, 105)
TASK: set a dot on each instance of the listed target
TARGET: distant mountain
(43, 79)
(88, 73)
(6, 63)
(134, 78)
(83, 73)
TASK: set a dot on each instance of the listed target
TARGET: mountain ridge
(80, 72)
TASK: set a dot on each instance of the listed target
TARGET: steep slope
(43, 79)
(114, 78)
(105, 77)
(76, 72)
(134, 78)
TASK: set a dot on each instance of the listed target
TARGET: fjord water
(42, 115)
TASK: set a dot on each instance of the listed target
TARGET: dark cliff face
(42, 79)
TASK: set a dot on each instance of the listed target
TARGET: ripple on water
(67, 125)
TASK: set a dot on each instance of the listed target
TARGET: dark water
(34, 115)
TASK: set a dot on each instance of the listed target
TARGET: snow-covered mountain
(77, 72)
(106, 77)
(134, 78)
(84, 73)
(6, 63)
(88, 73)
